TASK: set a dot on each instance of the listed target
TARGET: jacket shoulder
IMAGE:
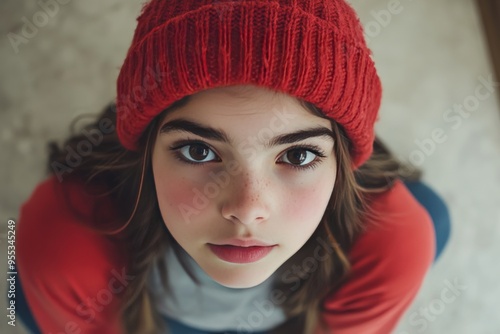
(389, 263)
(62, 264)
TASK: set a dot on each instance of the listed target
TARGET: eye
(302, 157)
(196, 153)
(298, 156)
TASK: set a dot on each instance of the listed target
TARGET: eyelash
(311, 148)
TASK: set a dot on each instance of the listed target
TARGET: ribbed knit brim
(313, 50)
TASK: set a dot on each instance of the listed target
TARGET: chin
(240, 278)
(239, 284)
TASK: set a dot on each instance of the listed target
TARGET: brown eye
(296, 157)
(197, 153)
(299, 156)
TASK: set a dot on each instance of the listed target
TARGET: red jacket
(73, 278)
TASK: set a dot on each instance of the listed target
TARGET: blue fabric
(23, 313)
(176, 327)
(429, 199)
(438, 211)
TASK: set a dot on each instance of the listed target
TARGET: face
(243, 176)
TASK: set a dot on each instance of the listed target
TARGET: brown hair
(128, 180)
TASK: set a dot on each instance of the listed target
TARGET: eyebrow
(184, 125)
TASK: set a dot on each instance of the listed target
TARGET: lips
(244, 242)
(241, 254)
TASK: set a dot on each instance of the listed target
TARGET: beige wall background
(431, 56)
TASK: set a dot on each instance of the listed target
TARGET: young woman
(236, 186)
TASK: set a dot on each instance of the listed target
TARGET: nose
(245, 202)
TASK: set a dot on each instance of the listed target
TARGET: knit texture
(310, 49)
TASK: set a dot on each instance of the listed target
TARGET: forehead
(245, 97)
(245, 103)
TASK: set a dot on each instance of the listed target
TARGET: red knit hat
(310, 49)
